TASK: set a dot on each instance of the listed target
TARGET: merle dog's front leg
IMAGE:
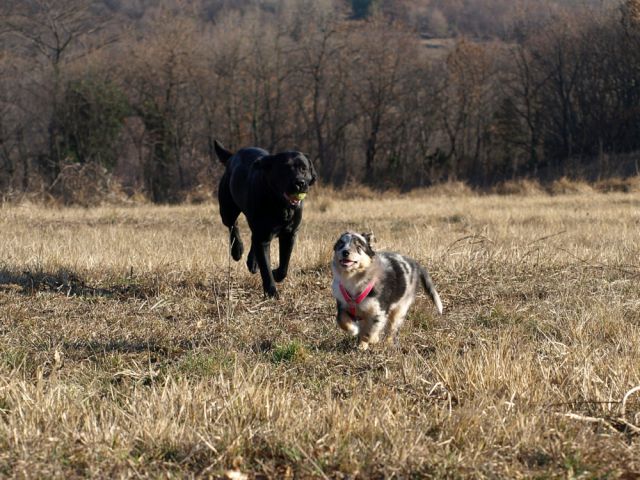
(260, 248)
(370, 330)
(286, 242)
(346, 322)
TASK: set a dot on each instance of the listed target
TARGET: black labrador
(269, 190)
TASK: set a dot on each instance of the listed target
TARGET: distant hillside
(432, 18)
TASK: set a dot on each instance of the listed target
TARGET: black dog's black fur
(261, 186)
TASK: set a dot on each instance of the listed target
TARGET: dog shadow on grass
(65, 282)
(159, 350)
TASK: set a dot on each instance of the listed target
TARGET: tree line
(371, 94)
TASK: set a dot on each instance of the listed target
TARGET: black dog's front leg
(262, 255)
(252, 264)
(287, 240)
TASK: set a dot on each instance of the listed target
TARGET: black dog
(269, 190)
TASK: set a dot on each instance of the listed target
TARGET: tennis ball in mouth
(299, 196)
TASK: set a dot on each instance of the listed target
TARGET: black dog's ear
(312, 169)
(223, 153)
(370, 238)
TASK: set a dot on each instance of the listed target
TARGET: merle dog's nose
(345, 253)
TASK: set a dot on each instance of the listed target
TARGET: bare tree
(52, 33)
(382, 62)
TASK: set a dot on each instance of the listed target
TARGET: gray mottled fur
(396, 278)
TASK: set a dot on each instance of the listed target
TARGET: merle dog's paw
(271, 291)
(237, 250)
(252, 264)
(278, 275)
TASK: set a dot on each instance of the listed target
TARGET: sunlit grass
(130, 345)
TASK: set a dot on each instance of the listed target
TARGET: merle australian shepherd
(374, 289)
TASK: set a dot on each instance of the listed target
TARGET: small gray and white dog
(374, 289)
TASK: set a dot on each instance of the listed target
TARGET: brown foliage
(87, 185)
(370, 100)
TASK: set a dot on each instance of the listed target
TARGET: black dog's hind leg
(262, 255)
(229, 213)
(287, 240)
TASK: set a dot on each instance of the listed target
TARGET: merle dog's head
(353, 252)
(290, 174)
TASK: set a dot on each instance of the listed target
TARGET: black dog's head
(290, 174)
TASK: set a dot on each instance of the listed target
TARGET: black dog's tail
(427, 283)
(223, 153)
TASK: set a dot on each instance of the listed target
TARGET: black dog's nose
(345, 253)
(301, 184)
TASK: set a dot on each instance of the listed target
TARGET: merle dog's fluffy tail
(223, 153)
(427, 283)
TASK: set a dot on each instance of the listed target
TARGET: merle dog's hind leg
(396, 319)
(229, 213)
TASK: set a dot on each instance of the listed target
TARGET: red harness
(353, 304)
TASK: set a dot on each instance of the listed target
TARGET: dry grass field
(130, 347)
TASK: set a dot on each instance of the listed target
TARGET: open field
(127, 349)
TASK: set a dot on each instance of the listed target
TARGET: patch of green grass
(497, 316)
(290, 352)
(12, 359)
(204, 364)
(5, 406)
(574, 466)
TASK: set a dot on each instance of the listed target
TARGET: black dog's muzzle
(300, 186)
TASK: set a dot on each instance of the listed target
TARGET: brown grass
(127, 350)
(566, 186)
(519, 187)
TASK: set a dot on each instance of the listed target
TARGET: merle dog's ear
(370, 238)
(339, 242)
(222, 153)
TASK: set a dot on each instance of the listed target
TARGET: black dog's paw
(271, 291)
(252, 264)
(237, 249)
(279, 275)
